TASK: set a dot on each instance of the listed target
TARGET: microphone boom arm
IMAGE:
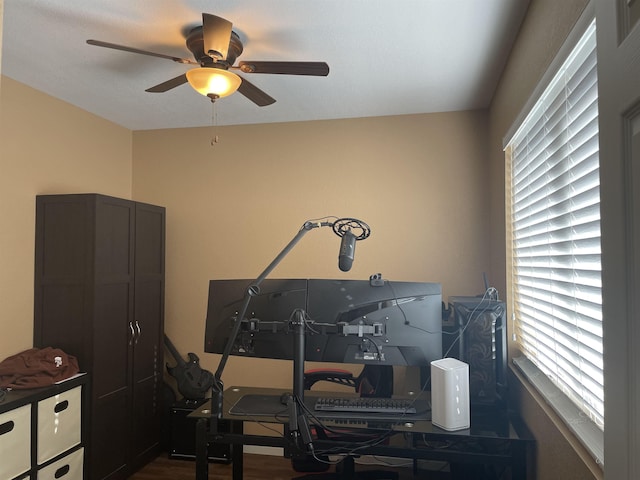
(340, 227)
(252, 290)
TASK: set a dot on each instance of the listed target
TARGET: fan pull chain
(214, 122)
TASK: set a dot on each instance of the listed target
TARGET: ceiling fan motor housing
(195, 44)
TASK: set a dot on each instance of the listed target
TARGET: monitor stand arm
(299, 431)
(253, 290)
(299, 345)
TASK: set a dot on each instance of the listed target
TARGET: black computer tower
(481, 341)
(182, 443)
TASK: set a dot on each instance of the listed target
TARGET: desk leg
(237, 452)
(202, 454)
(236, 465)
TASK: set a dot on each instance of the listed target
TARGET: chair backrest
(373, 381)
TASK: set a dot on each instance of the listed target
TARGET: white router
(450, 394)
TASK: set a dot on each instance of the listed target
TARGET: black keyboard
(365, 405)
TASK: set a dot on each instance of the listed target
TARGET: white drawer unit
(59, 422)
(68, 467)
(15, 442)
(42, 432)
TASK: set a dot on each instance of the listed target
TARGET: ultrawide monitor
(347, 321)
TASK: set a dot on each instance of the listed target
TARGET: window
(553, 215)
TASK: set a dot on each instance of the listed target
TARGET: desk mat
(259, 405)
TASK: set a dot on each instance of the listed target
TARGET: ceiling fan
(215, 47)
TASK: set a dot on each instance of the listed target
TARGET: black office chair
(373, 381)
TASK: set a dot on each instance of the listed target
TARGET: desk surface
(493, 438)
(252, 404)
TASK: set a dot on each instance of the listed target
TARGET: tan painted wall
(544, 30)
(419, 181)
(46, 146)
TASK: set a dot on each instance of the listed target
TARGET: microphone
(347, 251)
(342, 227)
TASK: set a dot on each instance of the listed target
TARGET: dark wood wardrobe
(99, 295)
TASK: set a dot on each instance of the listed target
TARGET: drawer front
(68, 467)
(15, 441)
(59, 423)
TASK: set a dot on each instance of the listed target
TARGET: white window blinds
(555, 225)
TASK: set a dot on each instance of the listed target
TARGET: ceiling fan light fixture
(213, 82)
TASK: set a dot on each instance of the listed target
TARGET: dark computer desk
(494, 438)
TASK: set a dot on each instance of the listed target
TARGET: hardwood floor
(256, 467)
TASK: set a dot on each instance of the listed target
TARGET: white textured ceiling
(386, 57)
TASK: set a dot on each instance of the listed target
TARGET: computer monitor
(347, 321)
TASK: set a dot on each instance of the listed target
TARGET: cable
(344, 225)
(487, 297)
(340, 431)
(398, 304)
(490, 294)
(319, 222)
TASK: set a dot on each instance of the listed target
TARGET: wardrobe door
(112, 337)
(148, 321)
(63, 282)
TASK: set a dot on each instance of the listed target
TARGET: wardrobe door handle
(139, 331)
(133, 333)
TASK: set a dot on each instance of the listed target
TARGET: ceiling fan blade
(99, 43)
(168, 85)
(254, 94)
(320, 69)
(216, 32)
